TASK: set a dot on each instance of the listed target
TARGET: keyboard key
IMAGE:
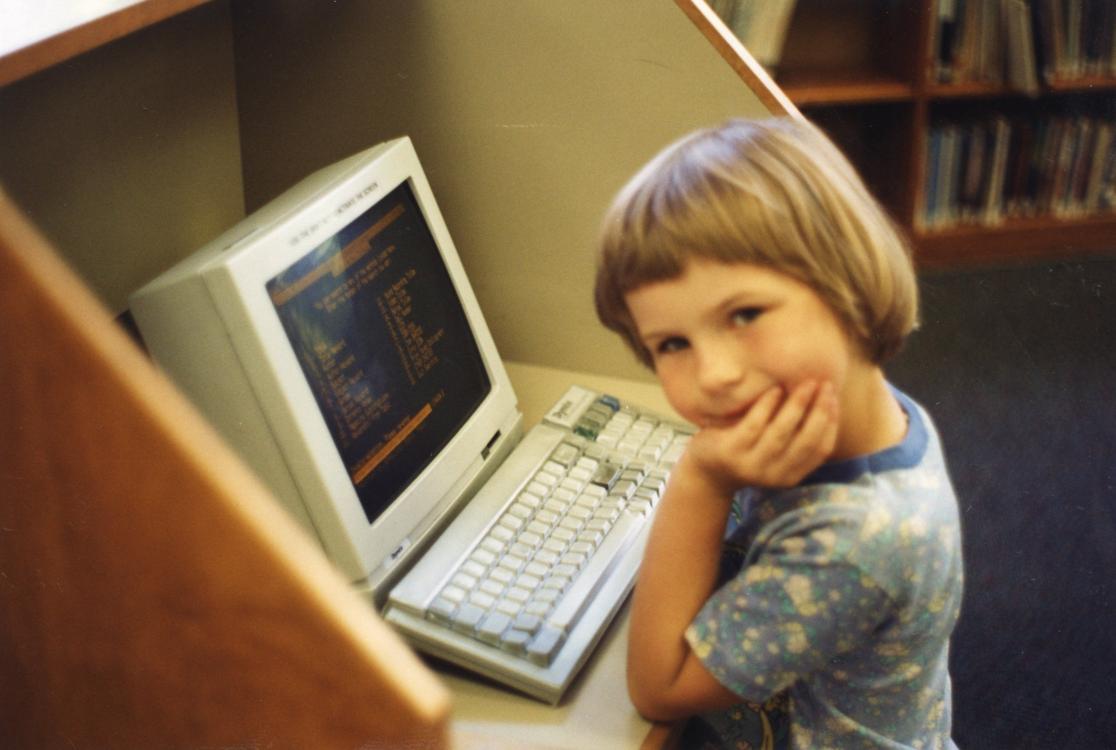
(592, 536)
(580, 512)
(606, 475)
(509, 607)
(491, 587)
(467, 617)
(608, 439)
(610, 402)
(514, 563)
(518, 595)
(501, 533)
(493, 627)
(557, 584)
(561, 534)
(464, 581)
(545, 645)
(565, 455)
(511, 522)
(565, 495)
(494, 545)
(528, 582)
(607, 513)
(536, 607)
(547, 478)
(454, 594)
(576, 559)
(515, 641)
(532, 501)
(572, 485)
(441, 609)
(548, 596)
(554, 544)
(528, 623)
(586, 501)
(519, 510)
(546, 557)
(522, 549)
(598, 524)
(564, 570)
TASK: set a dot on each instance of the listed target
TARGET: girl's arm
(665, 680)
(774, 444)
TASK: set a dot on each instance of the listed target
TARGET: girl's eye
(746, 315)
(668, 346)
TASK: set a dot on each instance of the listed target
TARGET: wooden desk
(596, 713)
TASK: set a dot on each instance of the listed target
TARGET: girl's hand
(776, 443)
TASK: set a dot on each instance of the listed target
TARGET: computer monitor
(333, 338)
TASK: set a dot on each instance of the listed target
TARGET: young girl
(803, 573)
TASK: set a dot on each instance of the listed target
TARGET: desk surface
(596, 712)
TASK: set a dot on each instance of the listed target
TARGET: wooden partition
(152, 593)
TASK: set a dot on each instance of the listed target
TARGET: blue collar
(905, 455)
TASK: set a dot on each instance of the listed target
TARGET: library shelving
(985, 126)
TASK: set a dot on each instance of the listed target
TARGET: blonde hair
(775, 193)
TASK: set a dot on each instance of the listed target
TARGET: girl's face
(723, 333)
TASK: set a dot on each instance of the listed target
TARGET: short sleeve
(784, 616)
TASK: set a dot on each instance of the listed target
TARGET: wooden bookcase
(865, 71)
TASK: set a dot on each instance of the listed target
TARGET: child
(749, 267)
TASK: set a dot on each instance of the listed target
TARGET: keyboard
(523, 583)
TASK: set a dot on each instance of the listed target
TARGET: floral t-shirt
(845, 594)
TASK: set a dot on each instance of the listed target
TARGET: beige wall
(528, 115)
(128, 157)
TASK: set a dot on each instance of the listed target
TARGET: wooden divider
(152, 593)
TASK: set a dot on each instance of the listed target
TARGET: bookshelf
(914, 90)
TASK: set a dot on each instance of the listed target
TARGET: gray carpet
(1018, 368)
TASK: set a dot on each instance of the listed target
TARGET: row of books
(1020, 42)
(1077, 38)
(760, 24)
(987, 170)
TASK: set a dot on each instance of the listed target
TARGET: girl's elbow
(652, 703)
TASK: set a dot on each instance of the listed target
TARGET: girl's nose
(719, 368)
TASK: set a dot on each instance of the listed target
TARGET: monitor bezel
(238, 283)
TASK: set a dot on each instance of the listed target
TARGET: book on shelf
(1020, 61)
(1075, 38)
(761, 25)
(986, 170)
(1017, 43)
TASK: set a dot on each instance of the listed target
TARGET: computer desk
(596, 712)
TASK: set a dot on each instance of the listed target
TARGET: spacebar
(581, 592)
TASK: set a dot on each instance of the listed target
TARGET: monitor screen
(333, 338)
(381, 336)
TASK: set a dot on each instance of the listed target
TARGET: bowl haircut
(775, 193)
